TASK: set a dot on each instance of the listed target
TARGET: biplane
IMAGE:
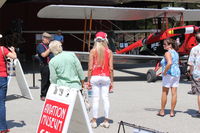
(184, 35)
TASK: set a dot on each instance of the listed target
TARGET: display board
(21, 80)
(64, 111)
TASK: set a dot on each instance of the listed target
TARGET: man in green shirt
(65, 68)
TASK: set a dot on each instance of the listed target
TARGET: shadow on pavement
(31, 66)
(101, 119)
(183, 80)
(190, 112)
(137, 76)
(167, 111)
(128, 78)
(122, 66)
(129, 66)
(12, 124)
(13, 97)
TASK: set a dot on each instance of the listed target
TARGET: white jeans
(100, 84)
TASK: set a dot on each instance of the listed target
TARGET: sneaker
(42, 98)
(93, 124)
(105, 124)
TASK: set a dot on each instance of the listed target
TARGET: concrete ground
(134, 101)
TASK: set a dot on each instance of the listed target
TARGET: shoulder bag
(7, 62)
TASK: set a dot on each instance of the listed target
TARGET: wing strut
(181, 19)
(90, 30)
(164, 22)
(84, 36)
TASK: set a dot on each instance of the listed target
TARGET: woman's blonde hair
(100, 47)
(55, 47)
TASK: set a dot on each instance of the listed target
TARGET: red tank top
(3, 69)
(101, 70)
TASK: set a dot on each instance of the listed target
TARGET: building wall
(27, 12)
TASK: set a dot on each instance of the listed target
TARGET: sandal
(105, 124)
(93, 124)
(172, 114)
(159, 114)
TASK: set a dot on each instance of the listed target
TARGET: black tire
(151, 76)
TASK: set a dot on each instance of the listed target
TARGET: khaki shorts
(195, 87)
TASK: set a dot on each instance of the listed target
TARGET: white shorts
(169, 81)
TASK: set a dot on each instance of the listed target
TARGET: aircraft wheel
(151, 75)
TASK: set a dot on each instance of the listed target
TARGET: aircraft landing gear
(151, 74)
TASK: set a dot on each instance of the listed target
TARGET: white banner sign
(21, 80)
(64, 111)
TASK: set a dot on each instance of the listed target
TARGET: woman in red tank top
(4, 52)
(100, 76)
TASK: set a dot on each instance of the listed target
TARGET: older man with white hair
(65, 68)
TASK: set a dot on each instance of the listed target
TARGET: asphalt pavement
(134, 101)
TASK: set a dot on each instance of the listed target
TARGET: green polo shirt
(66, 70)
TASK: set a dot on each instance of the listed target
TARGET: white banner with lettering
(64, 112)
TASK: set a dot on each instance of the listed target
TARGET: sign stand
(64, 111)
(136, 128)
(21, 80)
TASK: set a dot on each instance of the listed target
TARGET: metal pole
(34, 87)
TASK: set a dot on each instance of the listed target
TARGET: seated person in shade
(59, 37)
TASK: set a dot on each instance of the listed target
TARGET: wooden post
(166, 22)
(90, 31)
(84, 36)
(181, 20)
